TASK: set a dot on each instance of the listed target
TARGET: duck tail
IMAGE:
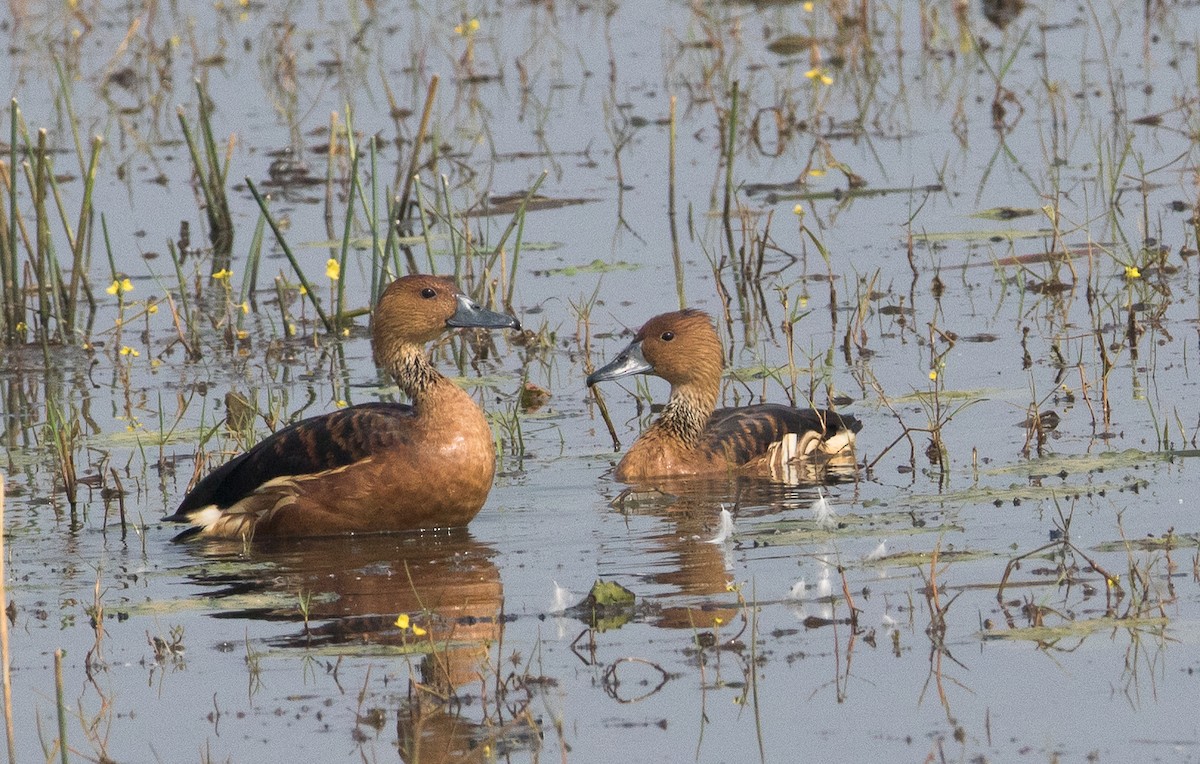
(214, 521)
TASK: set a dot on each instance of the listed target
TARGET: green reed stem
(62, 706)
(44, 268)
(5, 668)
(250, 277)
(414, 161)
(512, 274)
(330, 163)
(209, 171)
(12, 297)
(425, 225)
(197, 166)
(378, 257)
(78, 264)
(449, 213)
(192, 341)
(727, 204)
(62, 431)
(8, 297)
(676, 255)
(222, 222)
(340, 303)
(390, 246)
(287, 251)
(64, 85)
(108, 250)
(369, 200)
(518, 218)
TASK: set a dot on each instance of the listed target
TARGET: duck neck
(414, 373)
(686, 414)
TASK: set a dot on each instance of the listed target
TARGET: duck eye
(667, 336)
(429, 293)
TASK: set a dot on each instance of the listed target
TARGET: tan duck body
(374, 467)
(690, 438)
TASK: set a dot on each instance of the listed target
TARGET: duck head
(682, 347)
(417, 309)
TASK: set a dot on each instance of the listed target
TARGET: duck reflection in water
(683, 556)
(448, 594)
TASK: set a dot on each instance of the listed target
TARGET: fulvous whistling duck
(689, 437)
(373, 467)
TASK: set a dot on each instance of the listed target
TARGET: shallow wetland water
(971, 225)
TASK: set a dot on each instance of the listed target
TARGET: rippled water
(935, 309)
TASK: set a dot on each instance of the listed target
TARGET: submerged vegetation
(973, 225)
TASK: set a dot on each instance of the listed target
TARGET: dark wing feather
(326, 442)
(745, 433)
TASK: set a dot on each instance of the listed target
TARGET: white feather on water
(561, 600)
(726, 529)
(823, 513)
(824, 585)
(879, 552)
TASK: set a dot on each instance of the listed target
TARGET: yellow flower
(22, 326)
(817, 74)
(126, 286)
(933, 375)
(406, 624)
(332, 269)
(303, 291)
(1132, 272)
(152, 308)
(242, 334)
(114, 287)
(718, 620)
(222, 274)
(798, 210)
(470, 27)
(340, 404)
(126, 350)
(816, 172)
(245, 306)
(808, 7)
